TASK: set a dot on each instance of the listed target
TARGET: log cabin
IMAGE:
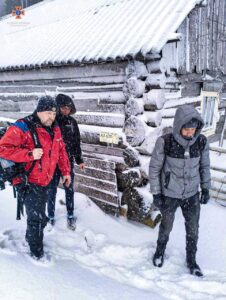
(127, 65)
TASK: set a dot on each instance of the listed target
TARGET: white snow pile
(108, 257)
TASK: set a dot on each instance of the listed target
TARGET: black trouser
(34, 198)
(69, 193)
(191, 211)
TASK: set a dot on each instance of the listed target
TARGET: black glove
(157, 200)
(205, 196)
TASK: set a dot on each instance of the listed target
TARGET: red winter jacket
(17, 144)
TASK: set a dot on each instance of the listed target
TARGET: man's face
(188, 132)
(47, 117)
(65, 110)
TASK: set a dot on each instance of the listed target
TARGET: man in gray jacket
(179, 166)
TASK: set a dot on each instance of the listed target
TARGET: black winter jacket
(71, 136)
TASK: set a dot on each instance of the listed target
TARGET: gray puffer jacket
(179, 166)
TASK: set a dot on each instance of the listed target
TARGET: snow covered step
(98, 195)
(98, 180)
(107, 166)
(97, 173)
(100, 119)
(96, 183)
(97, 149)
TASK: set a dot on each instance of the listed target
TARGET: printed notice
(109, 137)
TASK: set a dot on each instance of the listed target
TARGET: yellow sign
(109, 137)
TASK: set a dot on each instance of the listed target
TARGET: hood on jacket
(183, 115)
(64, 100)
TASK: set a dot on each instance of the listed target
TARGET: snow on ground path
(119, 253)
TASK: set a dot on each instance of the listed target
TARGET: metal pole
(223, 130)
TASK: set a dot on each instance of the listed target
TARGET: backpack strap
(37, 144)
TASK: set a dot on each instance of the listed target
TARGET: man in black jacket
(71, 137)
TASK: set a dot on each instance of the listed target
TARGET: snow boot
(158, 259)
(71, 223)
(195, 269)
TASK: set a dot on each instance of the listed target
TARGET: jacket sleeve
(63, 162)
(77, 149)
(11, 146)
(155, 167)
(205, 168)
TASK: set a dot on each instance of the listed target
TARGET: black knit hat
(193, 123)
(64, 100)
(46, 103)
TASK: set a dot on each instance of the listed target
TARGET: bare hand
(66, 180)
(82, 167)
(37, 153)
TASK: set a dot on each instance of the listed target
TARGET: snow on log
(137, 69)
(139, 207)
(154, 99)
(95, 150)
(194, 101)
(134, 107)
(157, 66)
(27, 106)
(152, 56)
(91, 88)
(91, 135)
(102, 97)
(131, 157)
(217, 149)
(9, 106)
(135, 130)
(94, 105)
(131, 178)
(133, 87)
(148, 144)
(100, 119)
(13, 114)
(152, 118)
(156, 81)
(217, 195)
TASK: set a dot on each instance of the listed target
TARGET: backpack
(10, 170)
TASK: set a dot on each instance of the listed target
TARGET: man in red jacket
(17, 145)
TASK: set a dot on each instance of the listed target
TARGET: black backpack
(10, 170)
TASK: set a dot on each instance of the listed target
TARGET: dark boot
(195, 269)
(158, 258)
(191, 262)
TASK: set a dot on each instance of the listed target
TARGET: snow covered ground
(109, 258)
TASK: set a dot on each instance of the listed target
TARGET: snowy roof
(56, 32)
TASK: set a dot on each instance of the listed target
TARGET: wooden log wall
(203, 46)
(100, 102)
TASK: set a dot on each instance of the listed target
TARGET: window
(209, 110)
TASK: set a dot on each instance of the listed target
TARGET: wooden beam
(102, 150)
(98, 195)
(86, 72)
